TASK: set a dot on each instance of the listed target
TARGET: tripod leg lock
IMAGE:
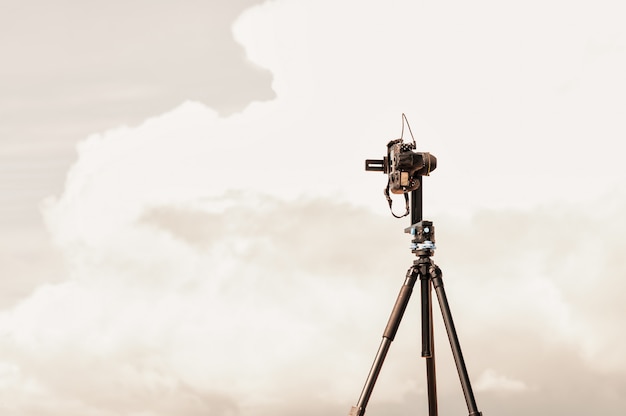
(435, 274)
(412, 273)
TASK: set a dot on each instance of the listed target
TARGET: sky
(187, 227)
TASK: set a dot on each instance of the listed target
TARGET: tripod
(429, 275)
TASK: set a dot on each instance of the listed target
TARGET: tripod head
(423, 243)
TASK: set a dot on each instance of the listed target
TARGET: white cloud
(236, 265)
(513, 107)
(491, 380)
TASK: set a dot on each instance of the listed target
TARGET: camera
(403, 165)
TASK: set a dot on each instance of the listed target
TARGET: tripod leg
(431, 377)
(428, 347)
(454, 341)
(390, 332)
(427, 329)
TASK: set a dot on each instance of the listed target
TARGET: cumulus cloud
(244, 303)
(247, 265)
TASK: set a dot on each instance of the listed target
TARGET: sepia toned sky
(186, 226)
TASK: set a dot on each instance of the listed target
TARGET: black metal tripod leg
(427, 329)
(390, 332)
(428, 347)
(454, 342)
(431, 377)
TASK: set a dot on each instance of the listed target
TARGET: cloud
(243, 309)
(247, 264)
(508, 115)
(490, 380)
(229, 314)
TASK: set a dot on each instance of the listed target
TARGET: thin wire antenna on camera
(405, 120)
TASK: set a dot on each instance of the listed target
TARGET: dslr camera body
(403, 165)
